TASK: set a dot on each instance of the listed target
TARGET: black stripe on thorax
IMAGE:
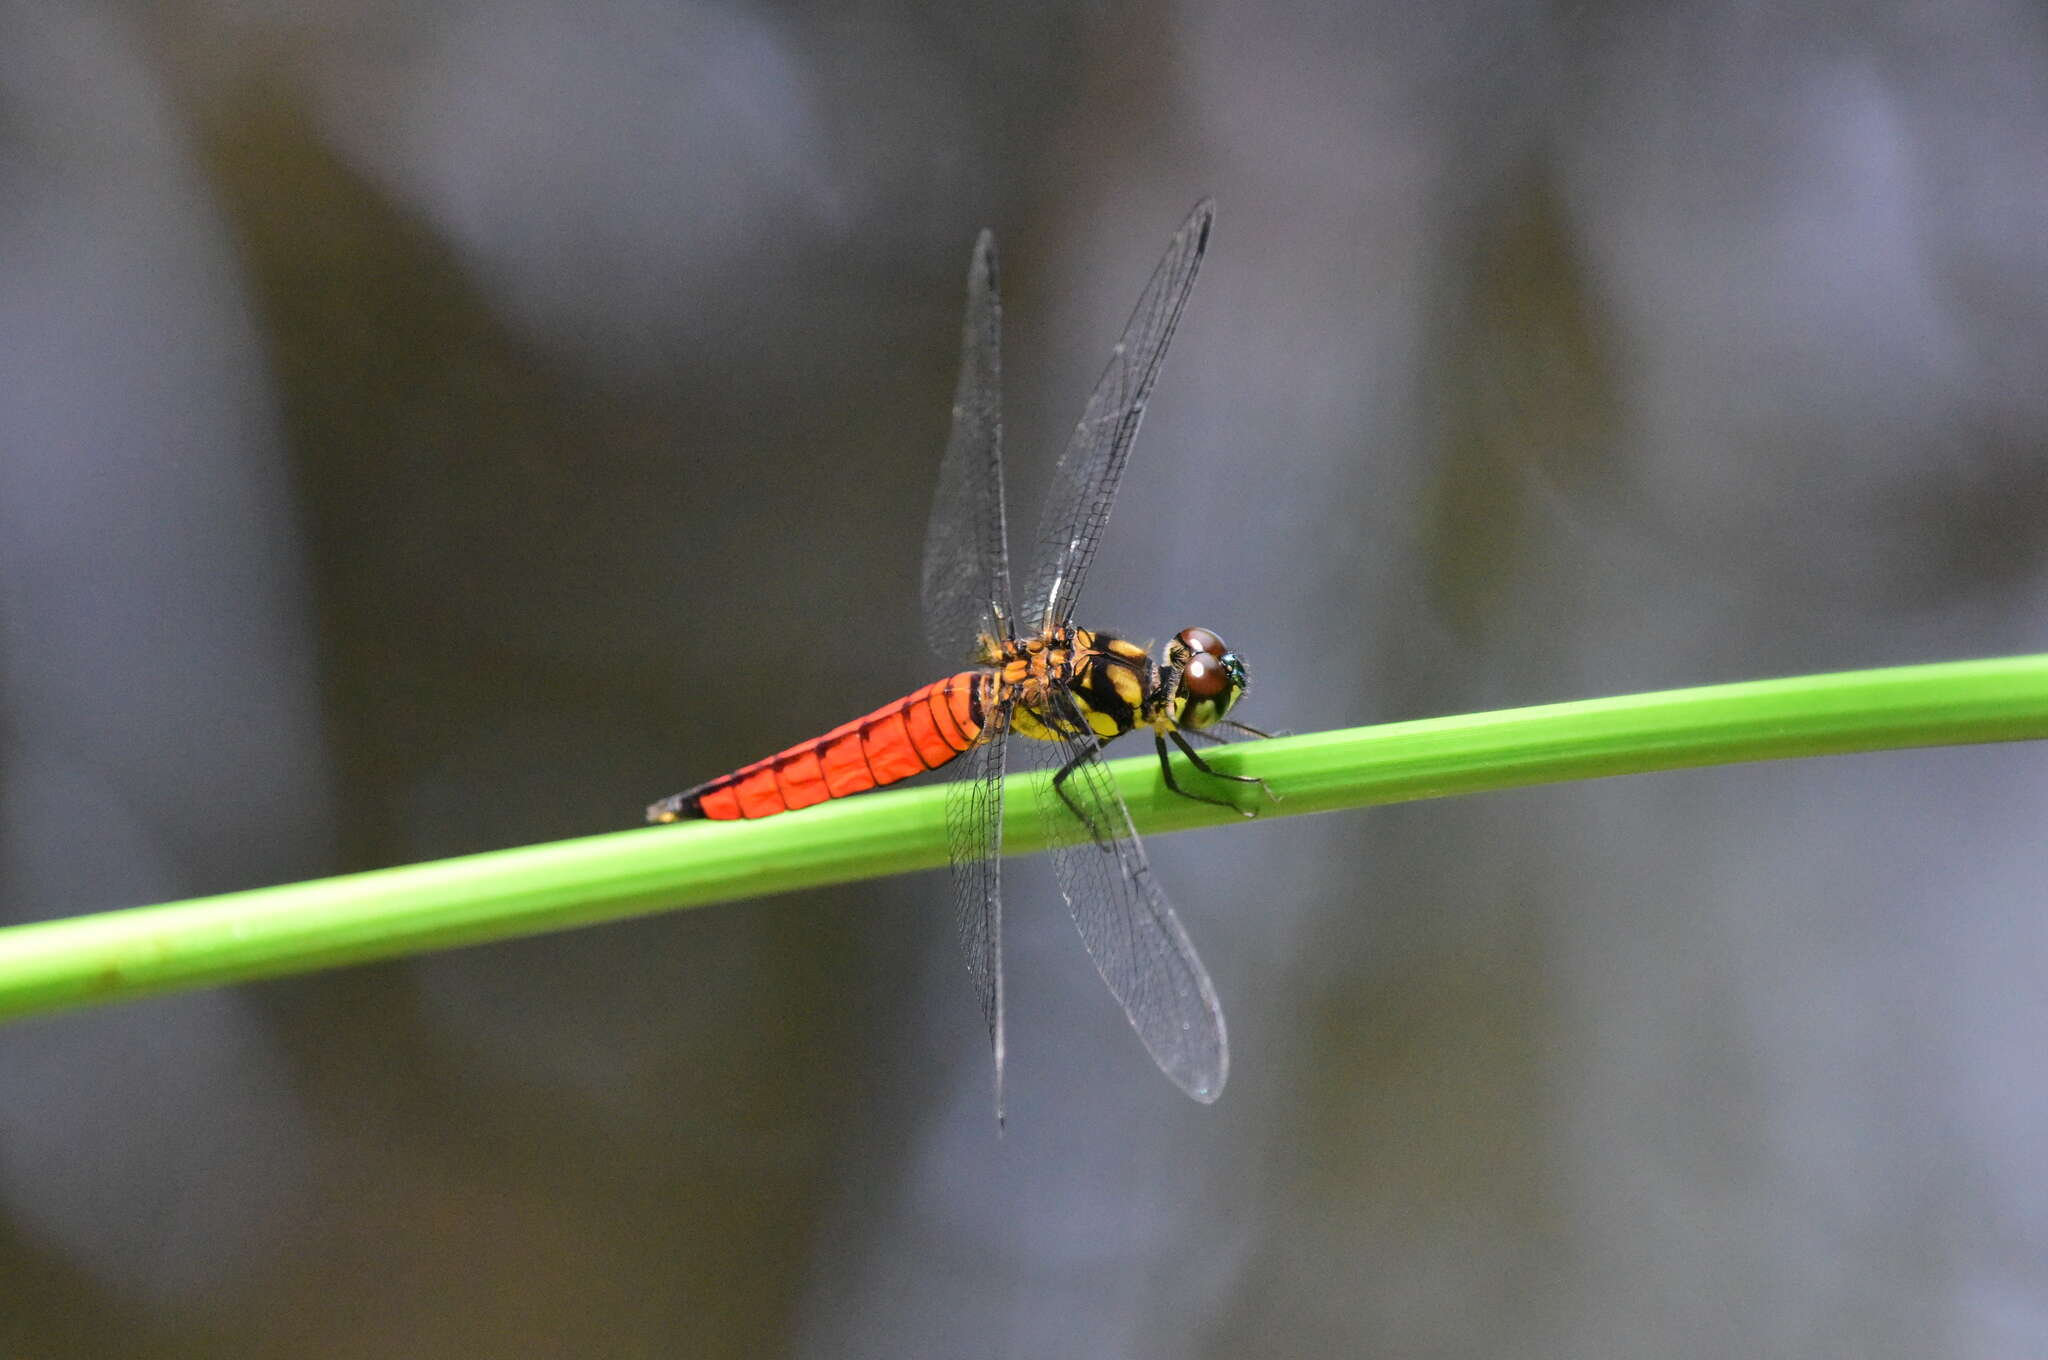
(1095, 683)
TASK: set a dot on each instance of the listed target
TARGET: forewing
(974, 844)
(1084, 485)
(1131, 933)
(966, 554)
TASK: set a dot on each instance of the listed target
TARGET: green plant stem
(271, 932)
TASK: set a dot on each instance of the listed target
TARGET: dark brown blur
(435, 427)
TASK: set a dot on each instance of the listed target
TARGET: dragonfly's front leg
(1211, 734)
(1195, 758)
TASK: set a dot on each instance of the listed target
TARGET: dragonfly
(1034, 674)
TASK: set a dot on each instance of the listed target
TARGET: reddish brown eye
(1202, 640)
(1204, 677)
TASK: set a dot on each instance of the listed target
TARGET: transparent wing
(974, 843)
(966, 554)
(1131, 933)
(1084, 486)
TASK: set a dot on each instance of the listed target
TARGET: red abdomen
(921, 731)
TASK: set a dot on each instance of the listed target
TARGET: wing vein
(1085, 483)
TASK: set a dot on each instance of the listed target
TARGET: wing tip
(1205, 1086)
(982, 266)
(1002, 1122)
(1212, 1086)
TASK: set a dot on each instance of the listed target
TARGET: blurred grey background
(438, 426)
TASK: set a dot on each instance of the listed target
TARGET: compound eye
(1202, 640)
(1204, 677)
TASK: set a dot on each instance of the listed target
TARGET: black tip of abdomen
(677, 807)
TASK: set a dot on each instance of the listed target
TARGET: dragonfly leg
(1059, 783)
(1243, 729)
(1195, 758)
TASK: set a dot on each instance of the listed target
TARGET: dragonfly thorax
(1114, 685)
(1070, 673)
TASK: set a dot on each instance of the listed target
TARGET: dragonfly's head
(1212, 678)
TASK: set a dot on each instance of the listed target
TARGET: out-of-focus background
(439, 426)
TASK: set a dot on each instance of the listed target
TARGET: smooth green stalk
(270, 932)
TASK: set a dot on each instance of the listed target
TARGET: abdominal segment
(921, 731)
